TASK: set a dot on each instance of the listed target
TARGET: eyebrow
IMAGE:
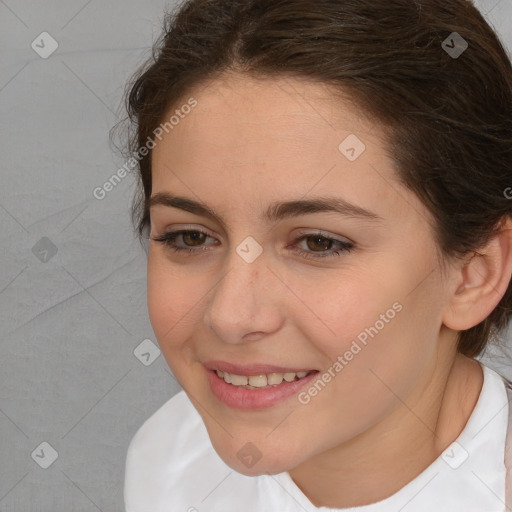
(275, 212)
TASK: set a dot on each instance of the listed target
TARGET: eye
(318, 240)
(194, 239)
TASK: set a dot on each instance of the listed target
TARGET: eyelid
(344, 247)
(326, 234)
(185, 227)
(300, 231)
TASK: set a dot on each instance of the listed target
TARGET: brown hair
(448, 118)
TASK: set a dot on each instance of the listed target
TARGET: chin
(256, 465)
(258, 469)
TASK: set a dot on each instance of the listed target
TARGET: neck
(380, 461)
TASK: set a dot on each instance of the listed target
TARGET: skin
(407, 394)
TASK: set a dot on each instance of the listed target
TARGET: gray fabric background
(77, 377)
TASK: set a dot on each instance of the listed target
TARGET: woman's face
(368, 319)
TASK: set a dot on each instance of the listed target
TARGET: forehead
(252, 122)
(275, 139)
(235, 106)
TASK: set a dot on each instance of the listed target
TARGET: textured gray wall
(77, 378)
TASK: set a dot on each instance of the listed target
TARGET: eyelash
(169, 238)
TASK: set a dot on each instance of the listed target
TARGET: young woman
(326, 188)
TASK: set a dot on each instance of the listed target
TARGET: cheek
(170, 301)
(368, 342)
(160, 298)
(336, 309)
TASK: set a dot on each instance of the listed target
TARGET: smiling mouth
(262, 381)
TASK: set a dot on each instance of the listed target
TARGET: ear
(481, 282)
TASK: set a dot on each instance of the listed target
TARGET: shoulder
(170, 439)
(165, 428)
(499, 385)
(172, 465)
(508, 442)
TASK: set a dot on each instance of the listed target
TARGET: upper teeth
(259, 381)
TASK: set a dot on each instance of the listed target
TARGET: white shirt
(171, 466)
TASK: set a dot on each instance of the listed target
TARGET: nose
(243, 305)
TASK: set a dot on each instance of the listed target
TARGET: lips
(239, 397)
(254, 369)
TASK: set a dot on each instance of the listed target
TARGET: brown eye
(194, 237)
(318, 246)
(319, 243)
(190, 240)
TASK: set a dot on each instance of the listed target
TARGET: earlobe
(481, 282)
